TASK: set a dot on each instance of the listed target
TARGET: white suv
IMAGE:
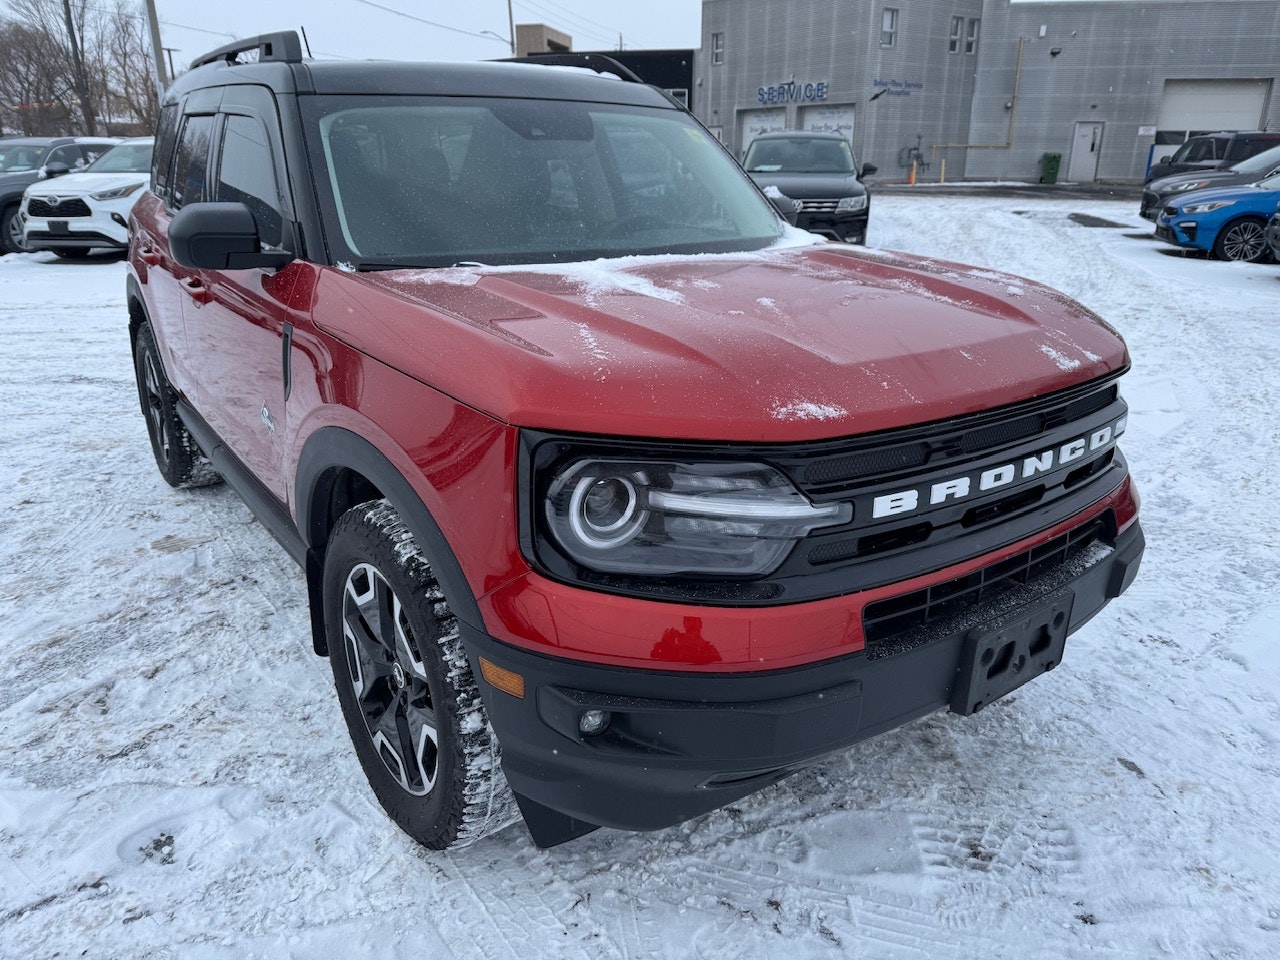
(79, 212)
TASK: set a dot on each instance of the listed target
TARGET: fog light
(593, 721)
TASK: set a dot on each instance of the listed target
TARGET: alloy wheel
(15, 233)
(1244, 241)
(389, 680)
(155, 406)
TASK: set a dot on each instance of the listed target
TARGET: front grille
(64, 210)
(818, 206)
(902, 623)
(1149, 200)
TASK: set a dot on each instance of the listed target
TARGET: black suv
(21, 162)
(819, 171)
(1213, 151)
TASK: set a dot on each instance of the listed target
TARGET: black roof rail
(591, 61)
(282, 47)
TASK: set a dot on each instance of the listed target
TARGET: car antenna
(306, 42)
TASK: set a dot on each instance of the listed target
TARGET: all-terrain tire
(178, 456)
(407, 692)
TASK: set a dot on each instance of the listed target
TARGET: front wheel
(407, 692)
(11, 239)
(1244, 240)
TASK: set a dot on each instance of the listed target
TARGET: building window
(717, 48)
(889, 27)
(957, 32)
(971, 39)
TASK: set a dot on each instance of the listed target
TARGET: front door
(1086, 147)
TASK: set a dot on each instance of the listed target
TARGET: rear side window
(191, 162)
(1244, 147)
(162, 157)
(247, 175)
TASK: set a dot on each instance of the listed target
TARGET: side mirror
(1166, 158)
(868, 169)
(55, 168)
(220, 236)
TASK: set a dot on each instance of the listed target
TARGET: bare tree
(37, 67)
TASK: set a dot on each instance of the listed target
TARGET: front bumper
(1179, 231)
(843, 227)
(105, 227)
(678, 745)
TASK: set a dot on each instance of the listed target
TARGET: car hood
(11, 181)
(1169, 184)
(1247, 193)
(79, 184)
(786, 344)
(812, 186)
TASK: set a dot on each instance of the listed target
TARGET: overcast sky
(397, 29)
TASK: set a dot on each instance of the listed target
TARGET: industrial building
(984, 89)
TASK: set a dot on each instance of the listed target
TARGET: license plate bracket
(58, 226)
(1000, 657)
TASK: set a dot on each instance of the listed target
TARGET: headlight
(1193, 185)
(852, 203)
(118, 192)
(659, 518)
(1208, 207)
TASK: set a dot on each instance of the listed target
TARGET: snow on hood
(785, 344)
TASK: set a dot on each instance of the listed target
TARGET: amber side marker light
(504, 680)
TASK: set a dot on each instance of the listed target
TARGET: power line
(430, 23)
(568, 20)
(569, 14)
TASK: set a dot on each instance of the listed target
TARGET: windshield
(799, 155)
(125, 158)
(1271, 183)
(416, 181)
(18, 158)
(1259, 162)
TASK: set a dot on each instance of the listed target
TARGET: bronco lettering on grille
(969, 484)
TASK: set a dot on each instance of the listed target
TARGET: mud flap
(998, 658)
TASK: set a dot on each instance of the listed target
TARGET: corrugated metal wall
(1112, 59)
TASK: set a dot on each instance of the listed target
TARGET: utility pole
(511, 25)
(157, 51)
(82, 86)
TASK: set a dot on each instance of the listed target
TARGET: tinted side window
(162, 156)
(247, 175)
(191, 163)
(69, 154)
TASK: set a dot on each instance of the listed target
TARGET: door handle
(148, 255)
(196, 289)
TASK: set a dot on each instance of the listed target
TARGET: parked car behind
(820, 171)
(1213, 151)
(1158, 193)
(24, 160)
(1229, 222)
(1273, 233)
(88, 211)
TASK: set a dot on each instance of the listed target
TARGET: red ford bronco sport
(617, 498)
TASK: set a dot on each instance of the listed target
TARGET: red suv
(617, 498)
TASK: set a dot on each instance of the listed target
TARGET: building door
(1086, 147)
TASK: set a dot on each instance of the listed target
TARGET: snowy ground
(175, 779)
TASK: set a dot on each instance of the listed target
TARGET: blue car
(1229, 222)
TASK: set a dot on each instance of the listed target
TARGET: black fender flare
(331, 449)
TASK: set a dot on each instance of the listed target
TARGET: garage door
(752, 123)
(1204, 106)
(829, 118)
